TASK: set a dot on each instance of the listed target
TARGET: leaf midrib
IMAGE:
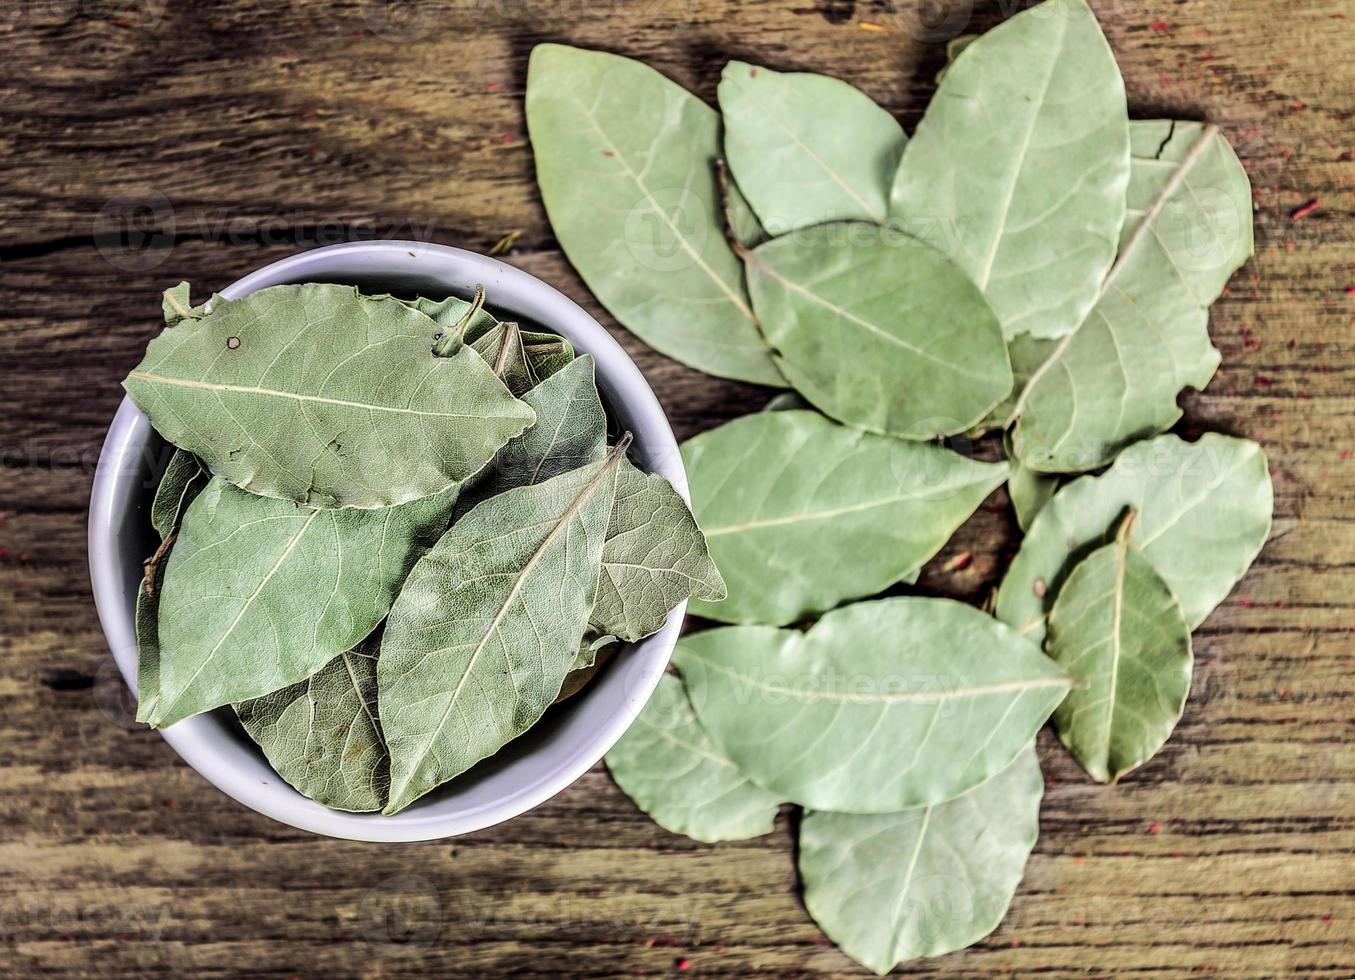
(244, 608)
(862, 322)
(1117, 614)
(820, 515)
(696, 256)
(837, 178)
(981, 279)
(912, 868)
(293, 396)
(906, 697)
(579, 500)
(1140, 232)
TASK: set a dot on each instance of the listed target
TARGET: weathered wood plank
(255, 129)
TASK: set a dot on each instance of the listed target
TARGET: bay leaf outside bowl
(570, 739)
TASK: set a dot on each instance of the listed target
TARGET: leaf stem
(1126, 525)
(151, 566)
(454, 337)
(510, 337)
(184, 313)
(722, 178)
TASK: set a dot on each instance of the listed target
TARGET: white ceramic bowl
(570, 739)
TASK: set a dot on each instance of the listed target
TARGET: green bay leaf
(671, 769)
(318, 395)
(146, 625)
(1203, 514)
(1116, 380)
(807, 149)
(625, 162)
(880, 706)
(487, 626)
(1018, 169)
(323, 735)
(260, 593)
(878, 330)
(801, 513)
(893, 887)
(1117, 627)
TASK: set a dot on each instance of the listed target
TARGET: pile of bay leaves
(1030, 263)
(393, 533)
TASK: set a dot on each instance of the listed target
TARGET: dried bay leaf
(670, 768)
(183, 479)
(1203, 514)
(1027, 353)
(1029, 490)
(1117, 627)
(880, 706)
(1116, 379)
(178, 307)
(892, 887)
(146, 624)
(318, 395)
(594, 652)
(1018, 169)
(878, 330)
(570, 431)
(323, 735)
(624, 160)
(260, 593)
(743, 223)
(547, 353)
(504, 351)
(487, 626)
(801, 513)
(655, 555)
(807, 149)
(787, 401)
(654, 558)
(469, 316)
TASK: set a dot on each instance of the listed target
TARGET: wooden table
(145, 142)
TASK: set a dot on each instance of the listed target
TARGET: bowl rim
(200, 740)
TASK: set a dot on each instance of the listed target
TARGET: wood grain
(144, 142)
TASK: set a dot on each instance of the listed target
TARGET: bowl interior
(570, 738)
